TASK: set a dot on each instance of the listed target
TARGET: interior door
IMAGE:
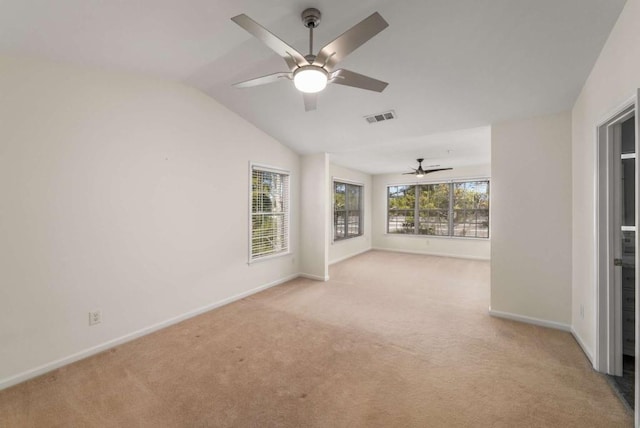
(627, 219)
(637, 306)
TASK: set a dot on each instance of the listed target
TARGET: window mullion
(346, 220)
(451, 196)
(416, 214)
(347, 189)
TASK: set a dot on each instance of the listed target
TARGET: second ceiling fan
(311, 73)
(420, 172)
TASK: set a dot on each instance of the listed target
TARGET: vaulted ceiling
(452, 65)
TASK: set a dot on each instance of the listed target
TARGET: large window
(441, 209)
(347, 210)
(269, 212)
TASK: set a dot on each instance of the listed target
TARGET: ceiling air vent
(380, 117)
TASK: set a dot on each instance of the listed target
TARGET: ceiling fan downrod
(311, 20)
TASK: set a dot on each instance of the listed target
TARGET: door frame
(608, 351)
(609, 331)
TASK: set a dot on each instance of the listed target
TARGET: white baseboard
(37, 371)
(426, 253)
(341, 259)
(314, 277)
(584, 347)
(530, 320)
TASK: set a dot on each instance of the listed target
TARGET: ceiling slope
(451, 65)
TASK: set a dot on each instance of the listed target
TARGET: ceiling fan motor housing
(311, 17)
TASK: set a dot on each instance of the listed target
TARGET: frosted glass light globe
(310, 79)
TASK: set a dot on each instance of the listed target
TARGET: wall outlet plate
(95, 317)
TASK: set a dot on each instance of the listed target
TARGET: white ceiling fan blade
(350, 78)
(292, 57)
(310, 101)
(270, 78)
(350, 40)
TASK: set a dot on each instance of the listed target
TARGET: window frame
(337, 180)
(451, 210)
(287, 214)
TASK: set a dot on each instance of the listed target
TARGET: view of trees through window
(269, 213)
(347, 210)
(441, 209)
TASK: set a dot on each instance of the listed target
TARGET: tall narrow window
(433, 209)
(269, 212)
(471, 209)
(402, 205)
(347, 210)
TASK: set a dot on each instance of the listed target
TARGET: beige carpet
(393, 340)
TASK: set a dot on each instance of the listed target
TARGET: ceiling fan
(420, 172)
(311, 73)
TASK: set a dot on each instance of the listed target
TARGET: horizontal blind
(269, 212)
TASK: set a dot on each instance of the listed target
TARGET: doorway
(617, 251)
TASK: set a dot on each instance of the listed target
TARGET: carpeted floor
(393, 340)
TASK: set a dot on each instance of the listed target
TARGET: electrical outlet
(95, 317)
(581, 311)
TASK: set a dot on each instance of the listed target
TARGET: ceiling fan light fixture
(310, 79)
(419, 175)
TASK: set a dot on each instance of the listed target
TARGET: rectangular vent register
(380, 117)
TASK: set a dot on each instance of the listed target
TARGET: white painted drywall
(314, 226)
(124, 194)
(614, 79)
(531, 218)
(442, 246)
(345, 248)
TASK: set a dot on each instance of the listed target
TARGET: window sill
(270, 257)
(414, 236)
(347, 239)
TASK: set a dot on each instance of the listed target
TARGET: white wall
(451, 247)
(613, 80)
(531, 218)
(343, 249)
(314, 227)
(124, 194)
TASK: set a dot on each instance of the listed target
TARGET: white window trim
(346, 180)
(452, 180)
(267, 168)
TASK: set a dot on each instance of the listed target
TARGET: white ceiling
(451, 65)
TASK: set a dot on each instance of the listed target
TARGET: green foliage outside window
(442, 209)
